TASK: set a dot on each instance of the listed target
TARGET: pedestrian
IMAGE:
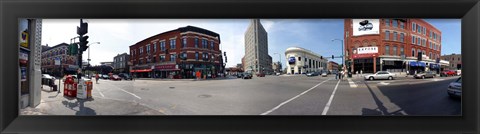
(358, 75)
(407, 73)
(336, 76)
(361, 73)
(96, 78)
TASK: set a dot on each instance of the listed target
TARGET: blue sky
(116, 35)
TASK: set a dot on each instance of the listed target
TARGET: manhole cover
(144, 89)
(205, 96)
(172, 87)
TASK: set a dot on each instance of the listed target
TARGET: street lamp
(88, 60)
(343, 58)
(279, 58)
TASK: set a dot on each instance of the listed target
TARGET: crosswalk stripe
(352, 84)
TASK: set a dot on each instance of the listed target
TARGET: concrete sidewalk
(53, 103)
(167, 79)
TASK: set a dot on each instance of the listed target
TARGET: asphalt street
(287, 95)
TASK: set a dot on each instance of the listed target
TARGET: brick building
(332, 67)
(455, 61)
(68, 63)
(393, 45)
(177, 54)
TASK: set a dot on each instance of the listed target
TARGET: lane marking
(101, 93)
(352, 84)
(125, 91)
(283, 103)
(325, 110)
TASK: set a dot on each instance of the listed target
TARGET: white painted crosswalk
(352, 84)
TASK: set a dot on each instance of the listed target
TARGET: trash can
(89, 88)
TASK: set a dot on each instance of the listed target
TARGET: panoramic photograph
(161, 67)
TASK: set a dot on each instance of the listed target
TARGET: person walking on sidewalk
(96, 77)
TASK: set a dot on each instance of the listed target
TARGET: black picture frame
(466, 10)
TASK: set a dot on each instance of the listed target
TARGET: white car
(47, 76)
(380, 75)
(455, 88)
(324, 74)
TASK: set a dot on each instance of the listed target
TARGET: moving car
(239, 75)
(312, 74)
(455, 88)
(447, 73)
(125, 76)
(426, 74)
(247, 76)
(115, 77)
(324, 74)
(105, 77)
(47, 76)
(260, 74)
(380, 75)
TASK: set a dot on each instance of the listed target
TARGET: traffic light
(73, 49)
(225, 59)
(225, 54)
(332, 57)
(83, 43)
(321, 57)
(83, 29)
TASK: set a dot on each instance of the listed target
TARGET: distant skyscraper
(256, 48)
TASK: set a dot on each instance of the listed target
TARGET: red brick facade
(430, 39)
(142, 58)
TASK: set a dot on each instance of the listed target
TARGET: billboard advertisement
(291, 60)
(365, 26)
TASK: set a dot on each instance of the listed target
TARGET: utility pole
(81, 31)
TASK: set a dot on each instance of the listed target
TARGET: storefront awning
(417, 64)
(141, 70)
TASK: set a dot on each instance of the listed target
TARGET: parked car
(105, 77)
(247, 76)
(239, 75)
(447, 73)
(260, 74)
(115, 77)
(380, 75)
(277, 74)
(324, 74)
(458, 72)
(125, 76)
(455, 88)
(47, 76)
(312, 74)
(426, 74)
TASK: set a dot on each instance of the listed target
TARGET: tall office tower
(256, 49)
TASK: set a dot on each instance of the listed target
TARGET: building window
(401, 51)
(430, 35)
(419, 51)
(211, 45)
(413, 26)
(173, 57)
(196, 42)
(395, 50)
(213, 57)
(184, 42)
(395, 35)
(196, 56)
(154, 47)
(434, 46)
(204, 43)
(431, 55)
(387, 35)
(299, 59)
(148, 48)
(395, 23)
(162, 45)
(387, 49)
(402, 36)
(173, 43)
(141, 50)
(424, 30)
(413, 52)
(387, 22)
(402, 26)
(413, 39)
(418, 28)
(418, 40)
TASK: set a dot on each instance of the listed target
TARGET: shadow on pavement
(80, 103)
(429, 99)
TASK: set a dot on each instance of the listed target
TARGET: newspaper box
(70, 87)
(89, 88)
(82, 89)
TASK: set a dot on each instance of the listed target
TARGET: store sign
(23, 73)
(165, 67)
(366, 50)
(291, 60)
(23, 33)
(358, 56)
(365, 26)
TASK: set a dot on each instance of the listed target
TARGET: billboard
(365, 26)
(291, 60)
